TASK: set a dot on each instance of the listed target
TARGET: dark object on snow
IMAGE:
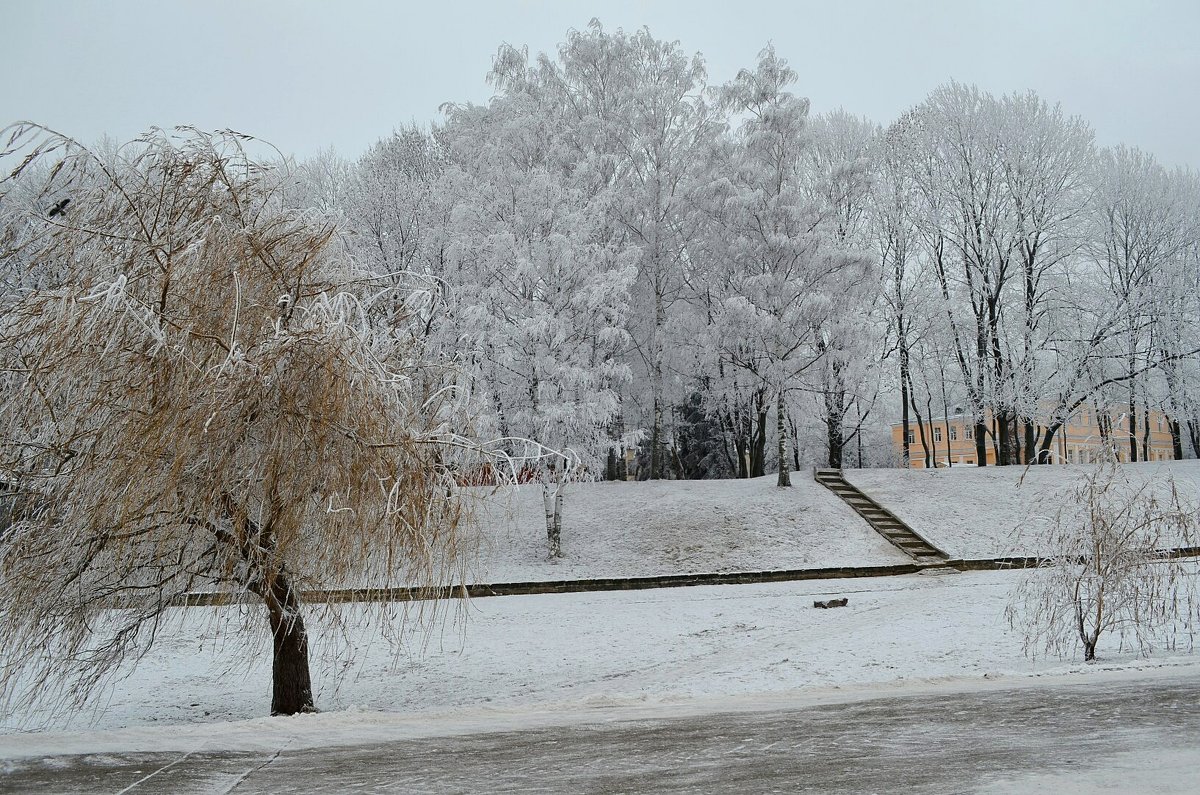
(59, 208)
(833, 602)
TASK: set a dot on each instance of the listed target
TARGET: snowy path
(1128, 734)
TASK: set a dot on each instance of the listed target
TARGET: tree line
(627, 258)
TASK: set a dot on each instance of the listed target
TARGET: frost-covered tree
(785, 273)
(396, 206)
(1105, 566)
(968, 236)
(903, 285)
(1138, 230)
(208, 396)
(543, 299)
(631, 127)
(1046, 158)
(838, 172)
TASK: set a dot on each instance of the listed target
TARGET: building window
(954, 433)
(937, 434)
(1085, 417)
(1160, 424)
(910, 437)
(1070, 455)
(968, 432)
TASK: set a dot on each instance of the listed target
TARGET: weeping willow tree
(200, 392)
(1111, 563)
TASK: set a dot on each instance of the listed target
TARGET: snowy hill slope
(678, 527)
(681, 527)
(979, 512)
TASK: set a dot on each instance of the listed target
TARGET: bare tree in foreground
(206, 396)
(1106, 568)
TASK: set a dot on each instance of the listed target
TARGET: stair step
(879, 518)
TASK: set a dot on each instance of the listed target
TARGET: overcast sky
(307, 75)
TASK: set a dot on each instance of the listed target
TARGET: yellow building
(951, 440)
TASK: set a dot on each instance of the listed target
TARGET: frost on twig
(1107, 567)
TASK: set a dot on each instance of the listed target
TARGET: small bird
(59, 208)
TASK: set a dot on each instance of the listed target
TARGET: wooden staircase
(884, 522)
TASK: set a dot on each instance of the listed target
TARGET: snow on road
(1124, 734)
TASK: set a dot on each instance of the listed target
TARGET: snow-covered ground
(509, 662)
(654, 528)
(981, 512)
(520, 661)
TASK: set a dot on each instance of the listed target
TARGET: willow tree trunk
(291, 681)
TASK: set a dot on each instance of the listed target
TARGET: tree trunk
(656, 384)
(1043, 456)
(743, 456)
(921, 434)
(785, 472)
(1176, 440)
(1133, 428)
(1146, 435)
(1016, 441)
(836, 443)
(656, 457)
(758, 450)
(552, 501)
(291, 682)
(1088, 639)
(795, 437)
(904, 417)
(1003, 438)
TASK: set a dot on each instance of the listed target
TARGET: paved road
(1139, 736)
